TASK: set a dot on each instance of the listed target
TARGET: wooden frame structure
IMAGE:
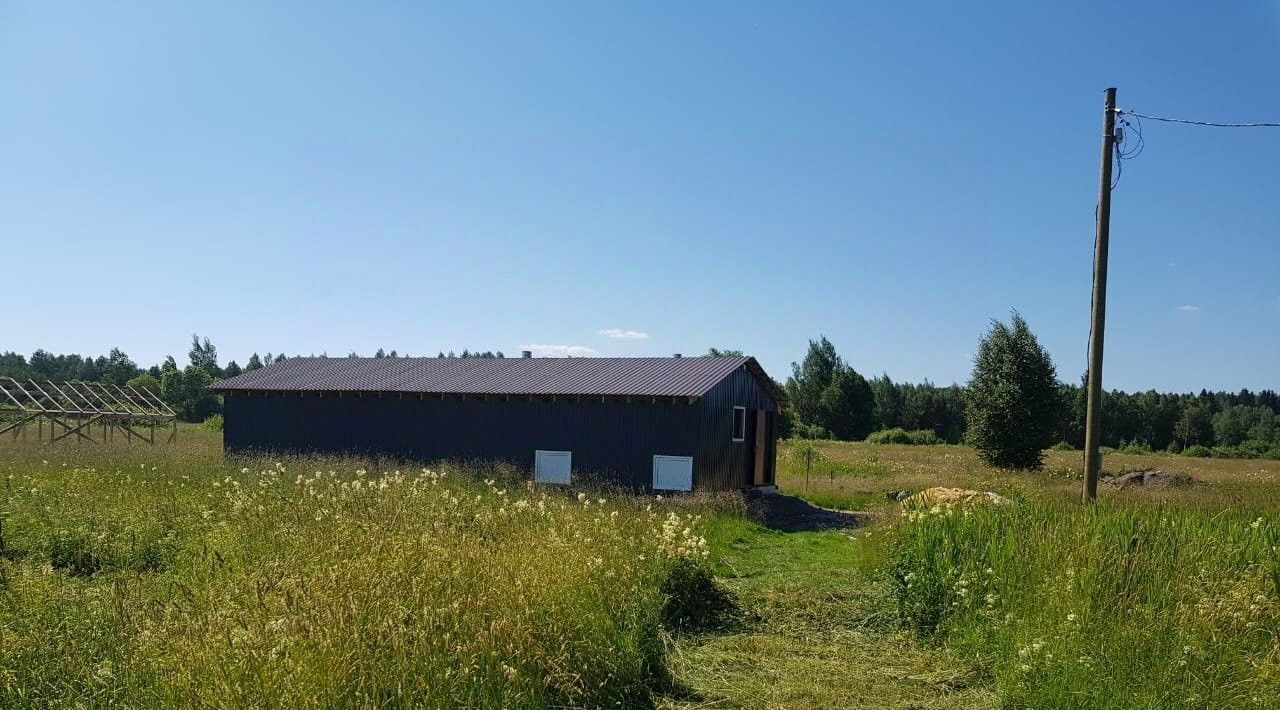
(73, 408)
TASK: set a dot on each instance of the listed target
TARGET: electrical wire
(1136, 129)
(1126, 149)
(1197, 123)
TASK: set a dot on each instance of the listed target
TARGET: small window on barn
(739, 423)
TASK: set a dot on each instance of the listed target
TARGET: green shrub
(145, 381)
(1062, 446)
(154, 554)
(802, 430)
(896, 435)
(695, 601)
(1255, 448)
(1137, 446)
(213, 422)
(1012, 403)
(925, 437)
(91, 549)
(1197, 451)
(76, 553)
(1250, 449)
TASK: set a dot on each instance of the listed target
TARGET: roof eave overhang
(495, 396)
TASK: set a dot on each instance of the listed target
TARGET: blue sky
(314, 177)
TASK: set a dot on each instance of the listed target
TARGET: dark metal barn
(704, 423)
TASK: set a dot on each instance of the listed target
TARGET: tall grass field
(1108, 606)
(170, 578)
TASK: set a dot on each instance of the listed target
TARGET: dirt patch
(1152, 477)
(791, 514)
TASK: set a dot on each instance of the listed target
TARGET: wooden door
(760, 451)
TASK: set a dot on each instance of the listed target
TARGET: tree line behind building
(827, 398)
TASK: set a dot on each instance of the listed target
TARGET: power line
(1125, 149)
(1212, 124)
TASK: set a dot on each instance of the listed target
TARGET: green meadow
(169, 576)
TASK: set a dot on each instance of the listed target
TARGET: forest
(828, 399)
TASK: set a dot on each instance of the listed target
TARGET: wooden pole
(1093, 414)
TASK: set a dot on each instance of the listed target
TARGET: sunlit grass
(1066, 606)
(169, 576)
(159, 577)
(858, 476)
(1157, 597)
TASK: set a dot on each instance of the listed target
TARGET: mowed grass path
(816, 631)
(1167, 592)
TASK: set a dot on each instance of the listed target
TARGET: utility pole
(1093, 413)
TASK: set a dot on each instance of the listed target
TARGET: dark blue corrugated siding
(614, 440)
(722, 463)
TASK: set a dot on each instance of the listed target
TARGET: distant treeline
(828, 398)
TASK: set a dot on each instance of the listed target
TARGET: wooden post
(1093, 414)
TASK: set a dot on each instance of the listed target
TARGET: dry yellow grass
(855, 475)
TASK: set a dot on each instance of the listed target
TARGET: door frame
(760, 450)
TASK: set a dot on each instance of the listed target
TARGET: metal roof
(634, 376)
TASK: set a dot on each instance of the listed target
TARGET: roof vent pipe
(526, 353)
(676, 355)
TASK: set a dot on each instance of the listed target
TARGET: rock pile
(1149, 477)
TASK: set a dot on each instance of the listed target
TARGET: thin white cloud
(620, 334)
(1188, 309)
(559, 350)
